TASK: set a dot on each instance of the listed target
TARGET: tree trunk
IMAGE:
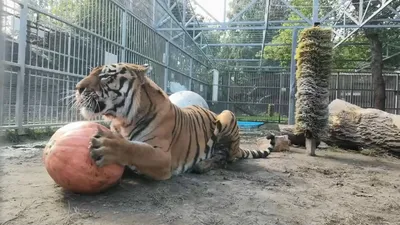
(378, 82)
(353, 127)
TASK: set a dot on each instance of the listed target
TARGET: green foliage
(345, 56)
(314, 60)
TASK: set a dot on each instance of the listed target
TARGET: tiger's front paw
(106, 148)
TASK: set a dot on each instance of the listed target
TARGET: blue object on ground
(249, 124)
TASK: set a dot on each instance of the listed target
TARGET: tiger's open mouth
(89, 106)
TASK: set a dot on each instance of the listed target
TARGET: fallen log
(356, 128)
(295, 139)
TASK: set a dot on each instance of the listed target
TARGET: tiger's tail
(254, 154)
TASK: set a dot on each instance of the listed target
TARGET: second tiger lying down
(150, 133)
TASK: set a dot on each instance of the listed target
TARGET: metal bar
(266, 13)
(189, 21)
(2, 65)
(224, 19)
(396, 103)
(360, 10)
(245, 9)
(296, 11)
(163, 20)
(184, 12)
(154, 12)
(292, 84)
(244, 44)
(337, 85)
(279, 22)
(123, 37)
(315, 11)
(166, 61)
(190, 73)
(280, 96)
(19, 108)
(365, 21)
(278, 27)
(177, 36)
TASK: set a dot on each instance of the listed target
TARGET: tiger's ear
(149, 69)
(139, 70)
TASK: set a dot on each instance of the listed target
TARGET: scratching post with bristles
(314, 59)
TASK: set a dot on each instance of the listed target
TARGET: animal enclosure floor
(287, 188)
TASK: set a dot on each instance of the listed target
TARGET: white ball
(187, 98)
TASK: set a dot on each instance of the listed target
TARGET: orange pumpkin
(68, 162)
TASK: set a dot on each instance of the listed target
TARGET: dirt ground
(287, 188)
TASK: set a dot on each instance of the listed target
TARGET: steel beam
(23, 25)
(315, 11)
(266, 13)
(190, 20)
(163, 20)
(383, 6)
(166, 62)
(177, 36)
(340, 26)
(238, 60)
(244, 44)
(2, 66)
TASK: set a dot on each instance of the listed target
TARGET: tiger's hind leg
(224, 145)
(217, 160)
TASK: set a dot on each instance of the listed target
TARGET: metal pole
(315, 12)
(154, 13)
(229, 90)
(166, 61)
(190, 74)
(396, 96)
(2, 67)
(292, 84)
(19, 108)
(123, 41)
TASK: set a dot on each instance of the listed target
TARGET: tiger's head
(110, 90)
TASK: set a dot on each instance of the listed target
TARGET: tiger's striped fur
(152, 134)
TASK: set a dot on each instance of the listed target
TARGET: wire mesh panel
(265, 95)
(51, 45)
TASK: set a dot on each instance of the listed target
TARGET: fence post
(19, 108)
(337, 85)
(123, 36)
(396, 104)
(190, 73)
(292, 93)
(280, 99)
(229, 91)
(2, 67)
(351, 89)
(166, 61)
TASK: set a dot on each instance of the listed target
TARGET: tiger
(150, 134)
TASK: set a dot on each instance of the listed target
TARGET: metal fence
(265, 95)
(50, 45)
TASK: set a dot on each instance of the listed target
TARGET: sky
(214, 7)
